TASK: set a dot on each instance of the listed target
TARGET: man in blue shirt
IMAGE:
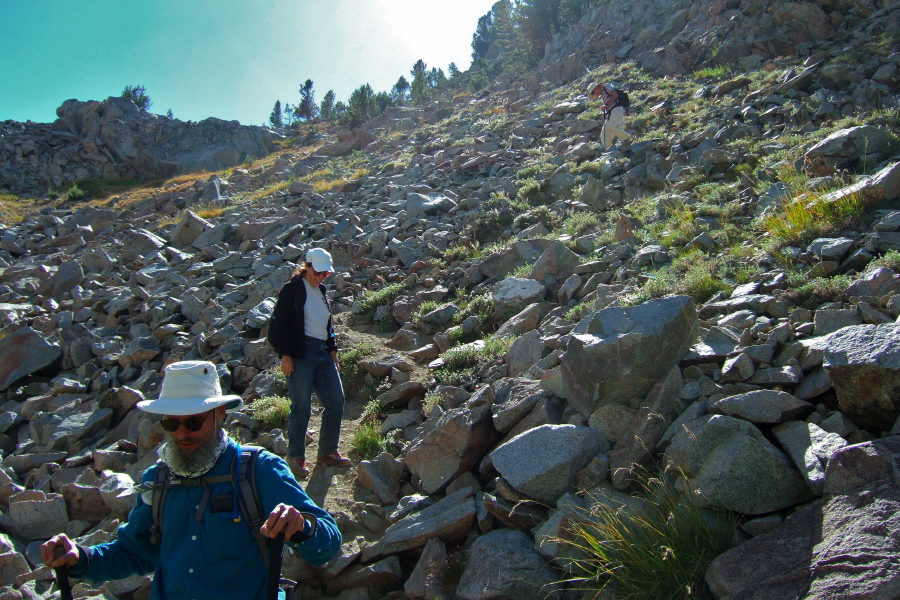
(206, 549)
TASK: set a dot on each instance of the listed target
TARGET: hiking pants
(315, 372)
(614, 127)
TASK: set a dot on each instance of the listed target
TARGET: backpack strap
(160, 489)
(249, 497)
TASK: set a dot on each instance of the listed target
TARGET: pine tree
(483, 36)
(275, 119)
(170, 114)
(419, 91)
(307, 109)
(326, 109)
(436, 78)
(454, 73)
(400, 90)
(138, 95)
(362, 106)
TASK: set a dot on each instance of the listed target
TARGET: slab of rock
(763, 406)
(864, 365)
(24, 352)
(382, 574)
(525, 351)
(842, 148)
(513, 292)
(542, 462)
(457, 443)
(428, 579)
(618, 354)
(36, 516)
(731, 465)
(381, 475)
(846, 545)
(810, 447)
(503, 564)
(513, 399)
(450, 520)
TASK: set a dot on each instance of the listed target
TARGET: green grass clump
(368, 442)
(694, 274)
(811, 216)
(348, 360)
(890, 260)
(660, 548)
(382, 297)
(272, 411)
(74, 193)
(810, 293)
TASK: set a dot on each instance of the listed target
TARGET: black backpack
(623, 100)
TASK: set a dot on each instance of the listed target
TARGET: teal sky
(230, 59)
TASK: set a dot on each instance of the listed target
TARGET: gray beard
(184, 462)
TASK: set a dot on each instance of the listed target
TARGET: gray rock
(428, 579)
(513, 292)
(487, 574)
(450, 520)
(24, 352)
(618, 354)
(382, 574)
(513, 399)
(845, 545)
(381, 475)
(37, 516)
(189, 229)
(864, 365)
(420, 205)
(842, 148)
(810, 447)
(555, 264)
(456, 444)
(68, 275)
(525, 351)
(729, 463)
(763, 406)
(542, 462)
(829, 321)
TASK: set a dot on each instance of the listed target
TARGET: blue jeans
(315, 373)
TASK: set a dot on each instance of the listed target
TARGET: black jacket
(287, 329)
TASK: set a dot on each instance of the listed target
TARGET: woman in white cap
(303, 336)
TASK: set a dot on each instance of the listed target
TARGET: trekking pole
(62, 576)
(275, 548)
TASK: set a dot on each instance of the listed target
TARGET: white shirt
(315, 313)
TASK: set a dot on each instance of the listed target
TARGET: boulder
(542, 462)
(381, 475)
(846, 545)
(428, 579)
(763, 406)
(455, 445)
(844, 147)
(25, 352)
(731, 465)
(488, 574)
(618, 354)
(810, 447)
(864, 364)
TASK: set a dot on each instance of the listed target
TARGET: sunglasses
(191, 423)
(319, 273)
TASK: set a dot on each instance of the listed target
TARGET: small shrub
(272, 411)
(816, 291)
(348, 360)
(385, 296)
(52, 194)
(74, 193)
(890, 260)
(368, 442)
(810, 216)
(432, 400)
(658, 548)
(372, 413)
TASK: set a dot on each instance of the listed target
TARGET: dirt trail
(330, 487)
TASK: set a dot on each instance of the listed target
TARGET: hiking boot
(298, 467)
(335, 459)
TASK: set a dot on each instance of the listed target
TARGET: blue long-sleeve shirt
(215, 557)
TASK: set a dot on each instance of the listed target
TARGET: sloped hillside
(547, 344)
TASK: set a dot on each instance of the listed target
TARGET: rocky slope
(778, 407)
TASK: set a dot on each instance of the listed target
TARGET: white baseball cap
(320, 259)
(190, 387)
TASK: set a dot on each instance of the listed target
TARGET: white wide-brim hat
(190, 387)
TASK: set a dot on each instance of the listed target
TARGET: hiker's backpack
(246, 504)
(623, 100)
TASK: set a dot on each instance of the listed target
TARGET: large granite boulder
(618, 354)
(488, 574)
(864, 365)
(731, 465)
(542, 462)
(457, 443)
(24, 352)
(846, 545)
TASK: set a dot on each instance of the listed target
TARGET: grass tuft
(272, 411)
(658, 548)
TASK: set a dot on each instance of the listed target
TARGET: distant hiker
(615, 107)
(302, 333)
(190, 525)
